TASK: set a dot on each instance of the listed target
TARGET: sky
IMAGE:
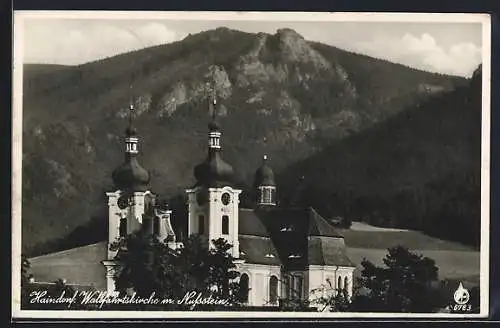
(445, 47)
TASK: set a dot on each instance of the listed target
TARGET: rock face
(294, 48)
(280, 94)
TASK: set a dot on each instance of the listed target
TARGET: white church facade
(282, 253)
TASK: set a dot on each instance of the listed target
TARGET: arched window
(123, 227)
(273, 290)
(346, 285)
(201, 224)
(225, 225)
(244, 288)
(339, 284)
(299, 287)
(295, 290)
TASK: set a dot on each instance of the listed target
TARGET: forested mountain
(420, 169)
(280, 95)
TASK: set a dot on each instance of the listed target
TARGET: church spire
(214, 133)
(131, 175)
(131, 139)
(214, 171)
(213, 102)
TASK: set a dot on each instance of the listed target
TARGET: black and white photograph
(263, 164)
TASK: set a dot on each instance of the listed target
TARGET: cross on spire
(212, 89)
(214, 104)
(130, 113)
(212, 99)
(130, 130)
(131, 108)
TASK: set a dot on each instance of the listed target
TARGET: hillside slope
(419, 169)
(280, 95)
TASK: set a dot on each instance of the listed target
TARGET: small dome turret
(264, 185)
(264, 176)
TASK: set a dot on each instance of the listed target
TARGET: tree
(149, 265)
(25, 281)
(25, 268)
(403, 285)
(221, 275)
(331, 299)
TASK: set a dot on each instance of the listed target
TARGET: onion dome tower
(131, 176)
(130, 200)
(213, 203)
(264, 185)
(214, 172)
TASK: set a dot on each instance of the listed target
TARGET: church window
(339, 284)
(244, 288)
(346, 285)
(273, 290)
(123, 227)
(266, 196)
(156, 225)
(225, 225)
(299, 281)
(286, 289)
(201, 224)
(295, 287)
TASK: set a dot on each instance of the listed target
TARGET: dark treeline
(419, 170)
(447, 208)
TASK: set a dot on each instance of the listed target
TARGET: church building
(282, 253)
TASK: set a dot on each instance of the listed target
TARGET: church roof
(328, 251)
(300, 236)
(250, 224)
(304, 220)
(258, 250)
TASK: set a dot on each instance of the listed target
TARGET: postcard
(214, 165)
